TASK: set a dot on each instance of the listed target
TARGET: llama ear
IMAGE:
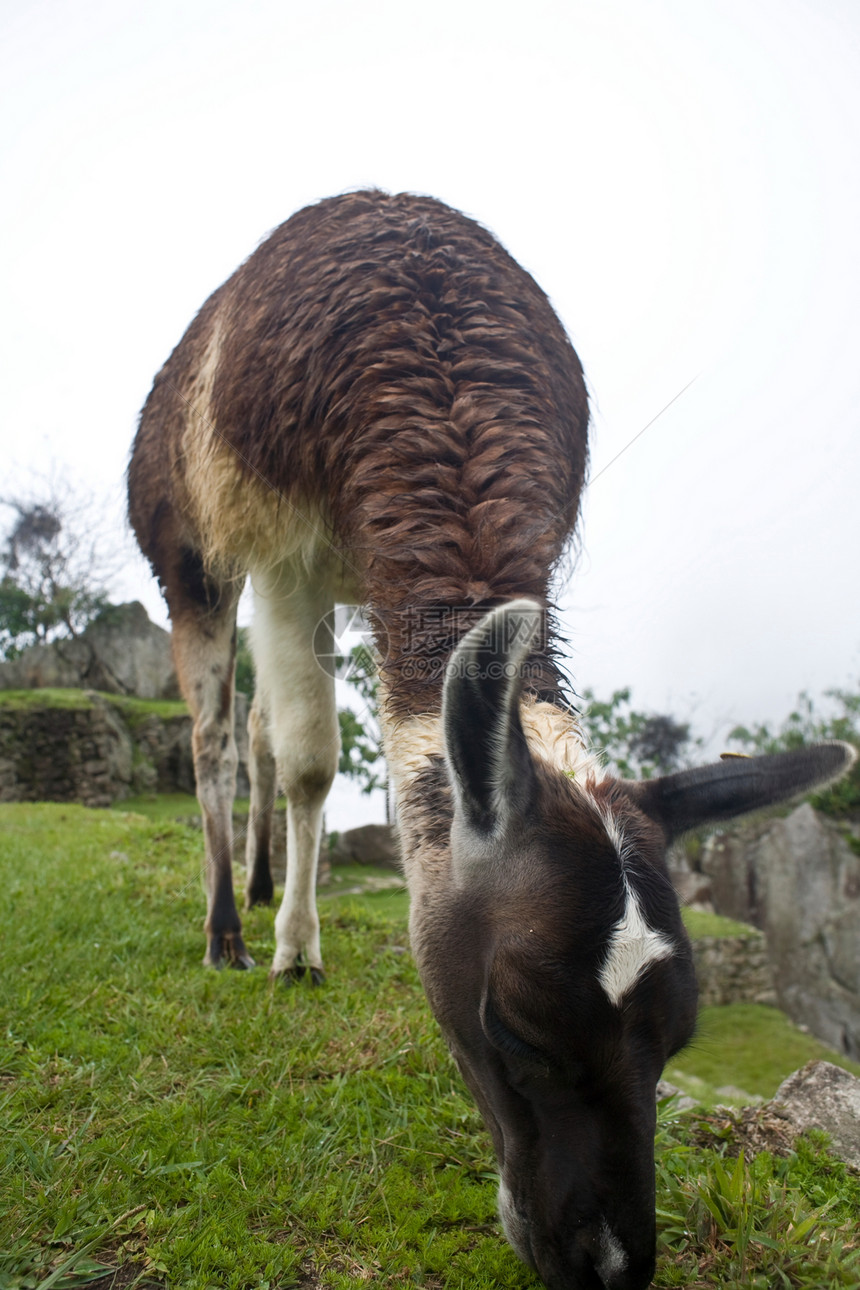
(485, 748)
(739, 784)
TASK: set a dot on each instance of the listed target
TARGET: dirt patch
(751, 1130)
(130, 1274)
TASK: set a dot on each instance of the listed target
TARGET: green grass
(164, 808)
(218, 1131)
(699, 923)
(175, 806)
(747, 1047)
(356, 888)
(134, 710)
(20, 700)
(225, 1131)
(725, 1220)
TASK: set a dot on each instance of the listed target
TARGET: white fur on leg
(304, 735)
(297, 926)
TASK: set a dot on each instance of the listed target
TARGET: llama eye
(506, 1041)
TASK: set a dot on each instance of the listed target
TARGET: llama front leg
(259, 888)
(304, 735)
(204, 648)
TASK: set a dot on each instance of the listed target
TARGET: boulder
(121, 652)
(692, 887)
(798, 880)
(823, 1096)
(819, 1096)
(374, 844)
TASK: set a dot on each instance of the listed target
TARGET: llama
(380, 407)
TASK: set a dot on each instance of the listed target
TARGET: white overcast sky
(681, 176)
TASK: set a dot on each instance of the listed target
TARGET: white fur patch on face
(633, 945)
(613, 1256)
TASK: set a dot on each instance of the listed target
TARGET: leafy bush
(638, 745)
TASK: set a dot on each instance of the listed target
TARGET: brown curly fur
(380, 375)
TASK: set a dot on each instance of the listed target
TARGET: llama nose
(602, 1261)
(616, 1269)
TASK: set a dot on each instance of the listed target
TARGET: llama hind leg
(204, 648)
(259, 888)
(306, 742)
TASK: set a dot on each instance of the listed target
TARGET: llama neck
(414, 750)
(414, 744)
(415, 642)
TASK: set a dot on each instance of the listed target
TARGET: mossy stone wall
(82, 746)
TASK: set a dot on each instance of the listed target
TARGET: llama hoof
(259, 891)
(227, 949)
(292, 975)
(261, 888)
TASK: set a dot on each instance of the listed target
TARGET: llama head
(557, 963)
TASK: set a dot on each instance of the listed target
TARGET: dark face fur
(557, 964)
(564, 1076)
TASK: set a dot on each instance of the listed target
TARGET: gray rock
(738, 1096)
(683, 1102)
(122, 652)
(691, 886)
(798, 880)
(374, 844)
(55, 754)
(132, 654)
(823, 1096)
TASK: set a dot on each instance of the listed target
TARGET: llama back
(382, 375)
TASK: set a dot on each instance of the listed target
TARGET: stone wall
(733, 969)
(798, 880)
(87, 747)
(64, 754)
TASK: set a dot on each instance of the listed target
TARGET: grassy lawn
(134, 710)
(699, 923)
(209, 1129)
